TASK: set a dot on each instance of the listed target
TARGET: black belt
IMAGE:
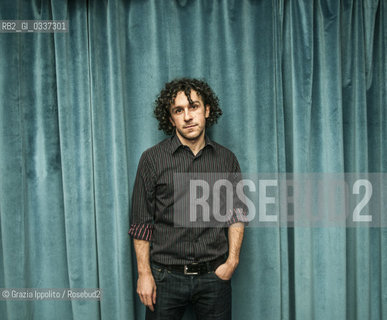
(195, 268)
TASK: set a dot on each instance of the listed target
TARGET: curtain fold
(303, 88)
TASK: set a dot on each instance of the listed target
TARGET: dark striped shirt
(152, 213)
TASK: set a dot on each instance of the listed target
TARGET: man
(178, 266)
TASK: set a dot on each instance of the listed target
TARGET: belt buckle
(190, 273)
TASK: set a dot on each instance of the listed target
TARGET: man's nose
(187, 115)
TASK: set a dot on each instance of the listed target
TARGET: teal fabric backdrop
(303, 89)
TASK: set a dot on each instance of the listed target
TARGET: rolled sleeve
(143, 202)
(238, 215)
(141, 231)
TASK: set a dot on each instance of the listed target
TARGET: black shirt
(152, 214)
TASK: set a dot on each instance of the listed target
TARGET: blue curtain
(303, 88)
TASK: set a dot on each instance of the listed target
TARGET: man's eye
(177, 110)
(195, 106)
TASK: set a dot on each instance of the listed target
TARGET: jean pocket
(158, 272)
(217, 278)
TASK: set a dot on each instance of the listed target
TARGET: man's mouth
(190, 126)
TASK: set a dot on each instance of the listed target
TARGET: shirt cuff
(141, 231)
(239, 215)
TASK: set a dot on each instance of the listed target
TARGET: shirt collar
(176, 143)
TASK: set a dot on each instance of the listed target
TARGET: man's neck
(195, 144)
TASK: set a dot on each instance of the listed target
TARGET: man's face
(189, 120)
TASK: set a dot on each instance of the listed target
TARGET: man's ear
(173, 122)
(207, 113)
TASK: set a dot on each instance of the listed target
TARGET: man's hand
(226, 270)
(146, 289)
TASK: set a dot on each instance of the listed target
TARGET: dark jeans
(209, 295)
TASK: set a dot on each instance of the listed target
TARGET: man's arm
(146, 286)
(141, 228)
(235, 237)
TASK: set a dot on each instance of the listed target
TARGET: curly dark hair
(167, 97)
